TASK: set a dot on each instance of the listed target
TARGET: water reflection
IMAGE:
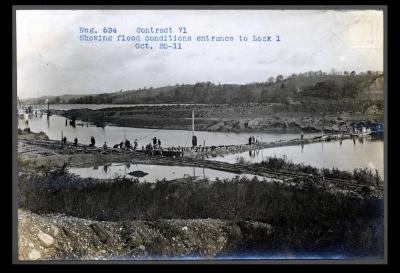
(105, 169)
(344, 156)
(154, 172)
(116, 134)
(252, 154)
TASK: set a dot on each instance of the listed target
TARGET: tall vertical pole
(62, 139)
(193, 122)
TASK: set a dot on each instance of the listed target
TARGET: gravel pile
(61, 237)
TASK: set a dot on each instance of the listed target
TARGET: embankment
(313, 116)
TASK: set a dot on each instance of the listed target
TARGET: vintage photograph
(209, 134)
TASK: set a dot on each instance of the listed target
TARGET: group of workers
(127, 144)
(151, 146)
(64, 141)
(156, 144)
(252, 140)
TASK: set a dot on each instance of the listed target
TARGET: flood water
(155, 172)
(345, 155)
(55, 125)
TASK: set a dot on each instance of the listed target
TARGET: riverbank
(314, 116)
(63, 216)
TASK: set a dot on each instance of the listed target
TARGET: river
(55, 126)
(345, 155)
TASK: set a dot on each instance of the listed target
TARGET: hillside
(297, 87)
(51, 99)
(300, 87)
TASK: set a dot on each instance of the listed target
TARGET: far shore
(234, 118)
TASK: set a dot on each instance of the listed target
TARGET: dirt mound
(56, 236)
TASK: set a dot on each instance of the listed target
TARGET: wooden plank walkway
(71, 149)
(238, 168)
(187, 151)
(261, 145)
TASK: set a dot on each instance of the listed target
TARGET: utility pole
(193, 122)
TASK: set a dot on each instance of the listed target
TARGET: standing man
(92, 141)
(76, 141)
(194, 141)
(127, 144)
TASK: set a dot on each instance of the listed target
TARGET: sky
(51, 59)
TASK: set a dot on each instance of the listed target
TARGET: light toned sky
(52, 61)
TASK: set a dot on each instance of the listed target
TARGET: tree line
(335, 84)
